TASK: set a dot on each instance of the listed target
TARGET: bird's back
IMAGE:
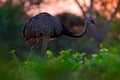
(41, 25)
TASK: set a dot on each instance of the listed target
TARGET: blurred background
(14, 14)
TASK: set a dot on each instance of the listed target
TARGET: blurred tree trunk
(99, 35)
(83, 12)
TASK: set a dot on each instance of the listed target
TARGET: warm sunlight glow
(54, 7)
(118, 15)
(103, 7)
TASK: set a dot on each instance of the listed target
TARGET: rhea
(45, 27)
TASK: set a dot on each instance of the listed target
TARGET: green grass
(102, 66)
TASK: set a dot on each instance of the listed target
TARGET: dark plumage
(44, 27)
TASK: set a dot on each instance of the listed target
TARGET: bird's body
(44, 27)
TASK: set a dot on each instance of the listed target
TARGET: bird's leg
(38, 42)
(34, 45)
(44, 45)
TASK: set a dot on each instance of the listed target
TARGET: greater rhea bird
(44, 27)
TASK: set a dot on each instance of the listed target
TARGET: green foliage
(11, 22)
(102, 66)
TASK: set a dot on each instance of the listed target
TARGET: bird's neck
(74, 35)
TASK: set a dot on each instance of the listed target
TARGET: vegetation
(102, 66)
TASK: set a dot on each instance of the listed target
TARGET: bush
(11, 22)
(102, 66)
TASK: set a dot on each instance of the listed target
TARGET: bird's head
(91, 22)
